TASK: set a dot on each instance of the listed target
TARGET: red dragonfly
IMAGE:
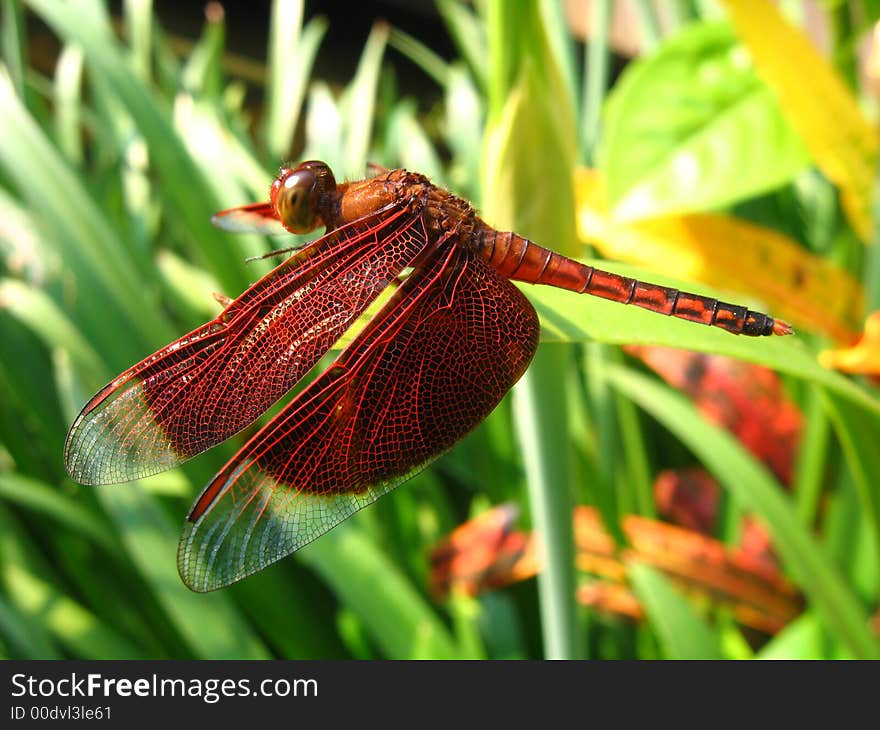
(450, 341)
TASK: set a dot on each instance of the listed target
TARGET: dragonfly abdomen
(520, 259)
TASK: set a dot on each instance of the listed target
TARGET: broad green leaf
(758, 492)
(692, 127)
(682, 632)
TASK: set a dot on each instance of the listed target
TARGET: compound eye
(296, 201)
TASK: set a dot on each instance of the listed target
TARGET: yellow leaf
(863, 358)
(729, 254)
(816, 101)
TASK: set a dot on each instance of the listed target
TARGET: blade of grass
(68, 112)
(138, 30)
(467, 33)
(76, 628)
(809, 477)
(540, 407)
(596, 58)
(21, 637)
(210, 624)
(201, 71)
(37, 311)
(292, 52)
(187, 191)
(859, 435)
(398, 619)
(649, 25)
(431, 63)
(803, 638)
(604, 417)
(635, 458)
(36, 595)
(359, 104)
(12, 29)
(47, 500)
(80, 231)
(681, 631)
(294, 622)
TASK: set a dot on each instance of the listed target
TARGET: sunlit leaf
(691, 127)
(817, 103)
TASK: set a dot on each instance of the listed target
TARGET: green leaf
(292, 51)
(209, 623)
(803, 638)
(682, 632)
(859, 434)
(359, 103)
(468, 34)
(692, 127)
(185, 183)
(398, 619)
(757, 491)
(41, 497)
(75, 627)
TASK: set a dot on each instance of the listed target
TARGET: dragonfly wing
(208, 385)
(431, 365)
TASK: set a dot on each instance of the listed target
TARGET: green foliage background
(110, 169)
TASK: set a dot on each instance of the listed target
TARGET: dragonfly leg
(223, 300)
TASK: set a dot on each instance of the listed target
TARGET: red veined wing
(208, 385)
(254, 218)
(438, 357)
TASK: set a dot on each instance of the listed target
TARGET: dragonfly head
(301, 194)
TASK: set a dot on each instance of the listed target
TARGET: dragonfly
(452, 336)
